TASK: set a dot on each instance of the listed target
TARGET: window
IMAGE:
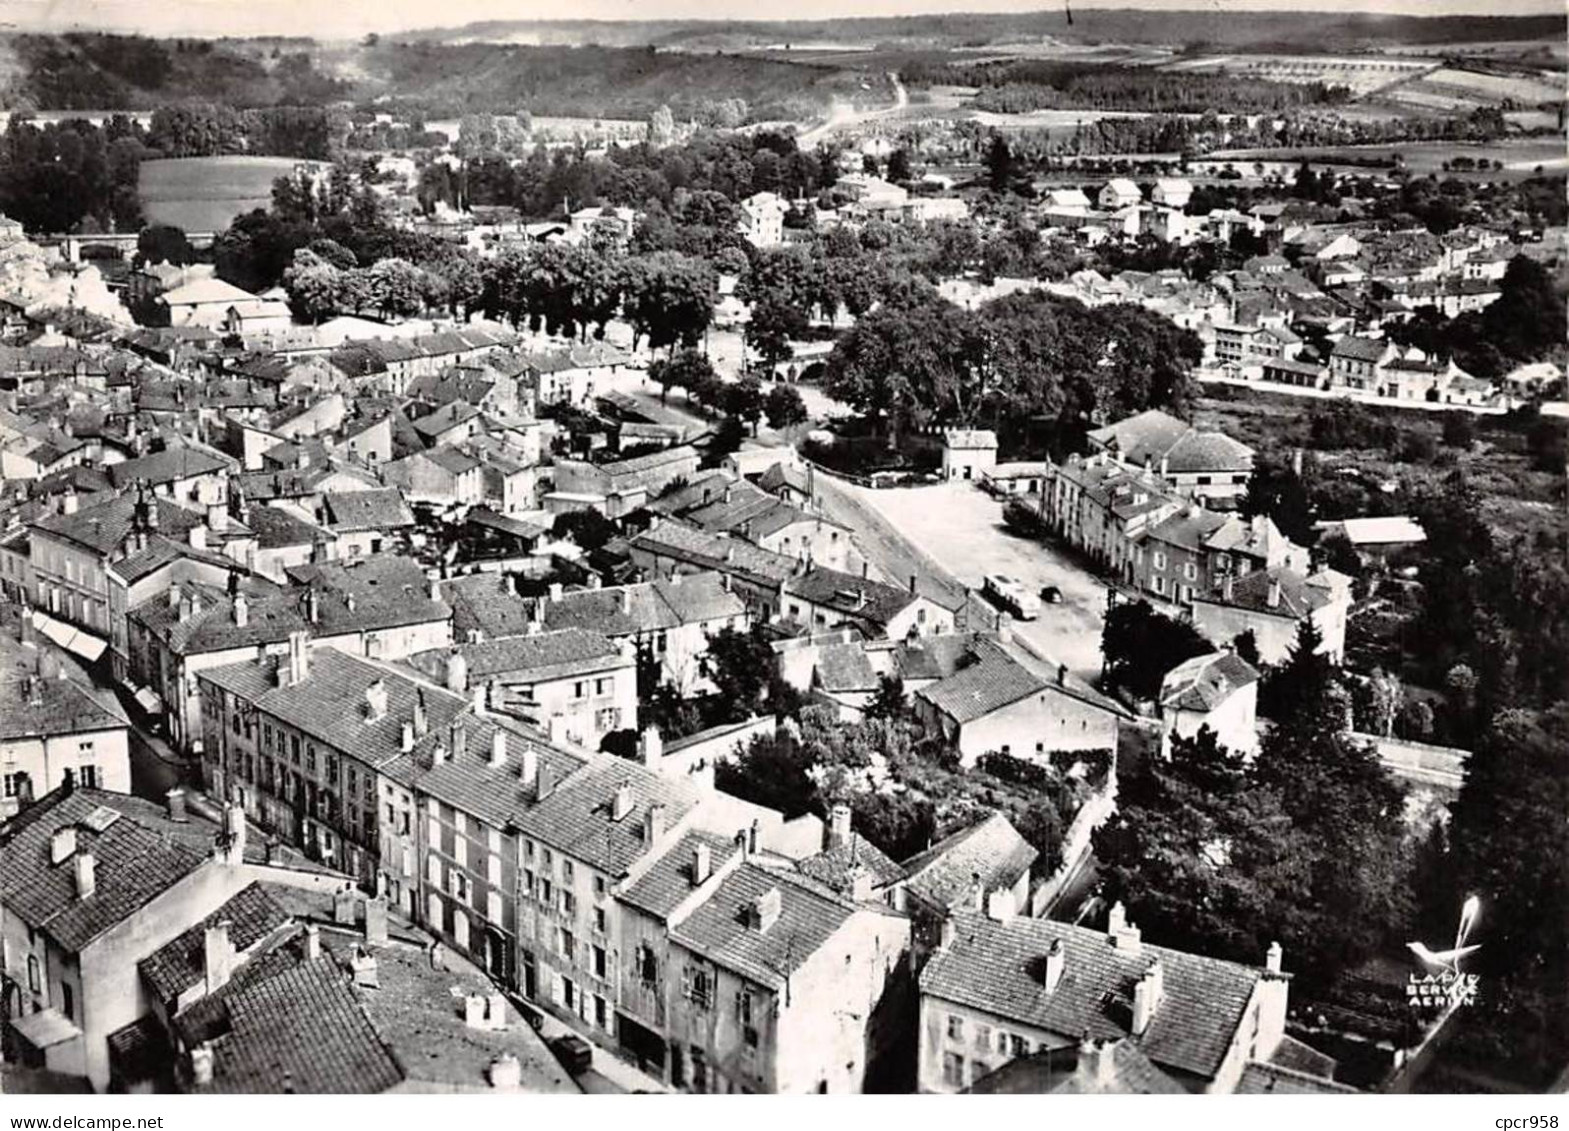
(528, 883)
(1160, 559)
(13, 783)
(601, 1014)
(67, 1002)
(1021, 1046)
(1190, 571)
(953, 1069)
(568, 903)
(579, 690)
(599, 887)
(294, 749)
(599, 920)
(568, 944)
(955, 1027)
(33, 982)
(493, 907)
(546, 892)
(599, 962)
(1204, 480)
(566, 871)
(983, 1037)
(698, 987)
(646, 964)
(493, 869)
(602, 687)
(433, 871)
(88, 776)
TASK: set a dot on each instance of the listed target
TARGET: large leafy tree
(668, 299)
(1141, 645)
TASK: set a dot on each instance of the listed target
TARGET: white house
(1119, 192)
(762, 219)
(968, 453)
(1173, 192)
(1218, 690)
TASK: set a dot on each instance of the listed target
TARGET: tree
(1141, 645)
(773, 323)
(1459, 430)
(771, 771)
(1278, 492)
(1245, 644)
(740, 664)
(725, 441)
(661, 127)
(587, 529)
(889, 702)
(1509, 841)
(668, 298)
(899, 166)
(999, 164)
(1303, 680)
(685, 369)
(164, 243)
(784, 407)
(315, 287)
(744, 401)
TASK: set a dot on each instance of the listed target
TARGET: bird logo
(1448, 961)
(1445, 984)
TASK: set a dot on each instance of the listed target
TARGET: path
(843, 116)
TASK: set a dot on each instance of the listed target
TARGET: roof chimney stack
(217, 956)
(498, 747)
(838, 831)
(1273, 598)
(1124, 935)
(312, 942)
(242, 611)
(86, 875)
(421, 722)
(1056, 963)
(176, 800)
(1146, 998)
(702, 864)
(653, 823)
(376, 701)
(62, 846)
(766, 909)
(621, 802)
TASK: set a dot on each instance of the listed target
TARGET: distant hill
(1297, 31)
(91, 71)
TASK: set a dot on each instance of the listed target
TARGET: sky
(356, 17)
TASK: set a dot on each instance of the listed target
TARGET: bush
(1023, 520)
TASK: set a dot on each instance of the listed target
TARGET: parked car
(1051, 594)
(576, 1054)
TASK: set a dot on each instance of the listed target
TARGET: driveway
(960, 527)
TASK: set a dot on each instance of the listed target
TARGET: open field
(1520, 157)
(1362, 74)
(204, 194)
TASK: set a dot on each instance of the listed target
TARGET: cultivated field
(1362, 75)
(204, 194)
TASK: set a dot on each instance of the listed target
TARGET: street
(960, 527)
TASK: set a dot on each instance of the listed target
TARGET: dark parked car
(576, 1054)
(1051, 594)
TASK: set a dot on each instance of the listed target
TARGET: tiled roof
(968, 439)
(377, 509)
(1189, 529)
(486, 602)
(133, 864)
(166, 466)
(1297, 596)
(452, 460)
(1260, 1079)
(709, 550)
(647, 607)
(104, 526)
(997, 967)
(1360, 349)
(1071, 1072)
(543, 656)
(173, 968)
(845, 668)
(669, 880)
(275, 527)
(205, 291)
(859, 598)
(1153, 435)
(994, 681)
(56, 706)
(1205, 682)
(577, 817)
(720, 928)
(160, 551)
(837, 866)
(300, 1030)
(988, 856)
(447, 416)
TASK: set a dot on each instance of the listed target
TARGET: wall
(1035, 726)
(46, 759)
(974, 1038)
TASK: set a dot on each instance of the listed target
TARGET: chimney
(505, 1073)
(217, 956)
(544, 784)
(174, 596)
(1146, 998)
(528, 765)
(198, 537)
(1056, 963)
(555, 592)
(949, 930)
(312, 605)
(86, 875)
(187, 606)
(62, 846)
(406, 737)
(1273, 958)
(421, 724)
(1098, 1059)
(362, 967)
(766, 909)
(838, 831)
(498, 747)
(312, 942)
(233, 837)
(201, 1064)
(650, 746)
(1124, 935)
(457, 672)
(999, 906)
(702, 864)
(344, 906)
(242, 611)
(653, 824)
(376, 921)
(68, 502)
(458, 737)
(299, 658)
(433, 589)
(621, 802)
(376, 701)
(176, 800)
(474, 1011)
(913, 580)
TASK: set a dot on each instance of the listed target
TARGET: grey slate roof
(173, 968)
(1069, 1072)
(860, 598)
(995, 967)
(1154, 435)
(1205, 682)
(668, 881)
(547, 655)
(377, 509)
